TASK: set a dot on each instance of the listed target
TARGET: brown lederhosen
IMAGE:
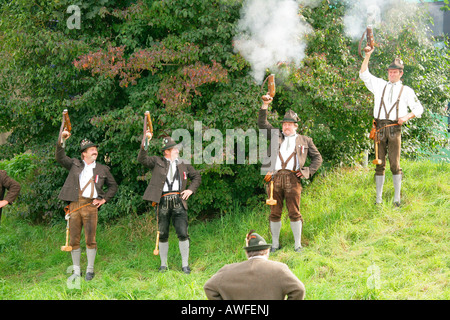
(286, 186)
(86, 216)
(390, 138)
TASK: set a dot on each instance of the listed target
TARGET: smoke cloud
(270, 32)
(390, 13)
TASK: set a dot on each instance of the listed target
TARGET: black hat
(290, 116)
(254, 242)
(396, 64)
(168, 143)
(86, 144)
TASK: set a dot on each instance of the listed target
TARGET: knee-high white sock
(76, 255)
(163, 252)
(275, 228)
(379, 181)
(184, 251)
(90, 253)
(296, 227)
(397, 178)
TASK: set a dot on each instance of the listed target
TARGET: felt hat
(290, 116)
(169, 143)
(85, 143)
(254, 242)
(396, 64)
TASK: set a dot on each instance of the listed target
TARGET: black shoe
(162, 269)
(298, 249)
(186, 270)
(272, 249)
(397, 204)
(89, 276)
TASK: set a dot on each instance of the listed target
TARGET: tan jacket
(254, 279)
(304, 147)
(160, 168)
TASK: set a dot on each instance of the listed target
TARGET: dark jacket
(309, 149)
(160, 167)
(71, 187)
(13, 187)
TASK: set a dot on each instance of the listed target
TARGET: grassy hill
(352, 248)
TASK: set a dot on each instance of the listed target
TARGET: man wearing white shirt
(169, 191)
(287, 167)
(391, 102)
(83, 190)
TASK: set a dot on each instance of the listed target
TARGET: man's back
(254, 279)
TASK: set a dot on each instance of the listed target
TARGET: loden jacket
(254, 279)
(71, 187)
(301, 143)
(160, 167)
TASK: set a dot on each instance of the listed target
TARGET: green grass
(345, 236)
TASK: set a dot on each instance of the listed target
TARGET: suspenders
(394, 105)
(284, 163)
(90, 182)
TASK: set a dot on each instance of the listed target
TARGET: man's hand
(299, 174)
(3, 203)
(267, 99)
(98, 202)
(65, 134)
(368, 50)
(186, 194)
(404, 119)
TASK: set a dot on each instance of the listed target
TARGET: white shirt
(176, 183)
(85, 176)
(287, 147)
(407, 99)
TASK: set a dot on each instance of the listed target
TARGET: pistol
(369, 39)
(147, 127)
(270, 85)
(65, 126)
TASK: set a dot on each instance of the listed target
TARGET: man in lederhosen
(83, 190)
(168, 190)
(13, 187)
(392, 100)
(288, 168)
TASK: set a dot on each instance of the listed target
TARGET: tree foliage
(176, 59)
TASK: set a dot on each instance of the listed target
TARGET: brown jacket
(160, 167)
(13, 187)
(254, 279)
(309, 149)
(71, 187)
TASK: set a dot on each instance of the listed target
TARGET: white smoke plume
(388, 13)
(270, 32)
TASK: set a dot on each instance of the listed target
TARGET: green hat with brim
(169, 143)
(396, 64)
(86, 144)
(291, 116)
(255, 242)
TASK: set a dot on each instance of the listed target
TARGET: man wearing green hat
(168, 190)
(83, 190)
(391, 102)
(258, 278)
(287, 165)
